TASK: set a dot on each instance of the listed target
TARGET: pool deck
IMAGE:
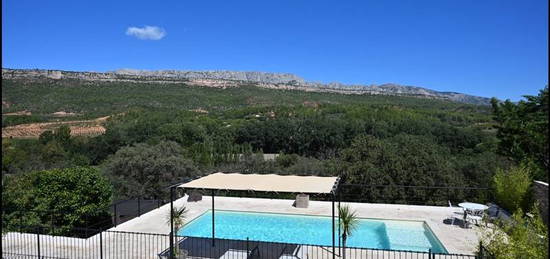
(453, 237)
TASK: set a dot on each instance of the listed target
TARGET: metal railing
(201, 247)
(125, 210)
(55, 222)
(117, 244)
(105, 244)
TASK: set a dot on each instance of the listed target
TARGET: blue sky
(487, 48)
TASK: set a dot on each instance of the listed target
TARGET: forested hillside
(159, 134)
(406, 141)
(94, 99)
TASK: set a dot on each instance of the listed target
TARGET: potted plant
(177, 216)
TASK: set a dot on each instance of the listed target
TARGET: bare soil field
(78, 128)
(19, 113)
(63, 114)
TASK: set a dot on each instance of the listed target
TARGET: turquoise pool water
(315, 230)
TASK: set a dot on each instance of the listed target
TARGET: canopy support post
(213, 222)
(339, 234)
(172, 222)
(333, 243)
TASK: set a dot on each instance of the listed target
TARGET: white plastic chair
(454, 214)
(475, 216)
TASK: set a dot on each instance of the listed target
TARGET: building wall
(540, 191)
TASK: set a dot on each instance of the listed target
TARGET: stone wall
(540, 192)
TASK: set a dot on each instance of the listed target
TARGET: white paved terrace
(453, 237)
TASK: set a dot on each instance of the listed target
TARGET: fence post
(116, 217)
(247, 248)
(100, 244)
(430, 253)
(481, 249)
(38, 241)
(86, 230)
(139, 206)
(171, 222)
(171, 245)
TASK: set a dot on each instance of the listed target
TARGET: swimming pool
(315, 230)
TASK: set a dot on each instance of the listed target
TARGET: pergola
(267, 183)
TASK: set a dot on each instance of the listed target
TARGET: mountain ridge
(226, 78)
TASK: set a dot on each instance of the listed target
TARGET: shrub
(145, 170)
(512, 187)
(65, 198)
(523, 237)
(286, 160)
(46, 137)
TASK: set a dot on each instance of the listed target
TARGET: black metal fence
(117, 244)
(105, 244)
(125, 210)
(56, 222)
(199, 247)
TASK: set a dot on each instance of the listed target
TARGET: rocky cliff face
(224, 79)
(260, 77)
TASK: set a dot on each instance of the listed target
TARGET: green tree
(53, 152)
(185, 133)
(523, 130)
(63, 135)
(145, 170)
(13, 158)
(46, 137)
(286, 160)
(400, 160)
(512, 187)
(65, 198)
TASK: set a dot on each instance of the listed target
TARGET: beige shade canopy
(264, 183)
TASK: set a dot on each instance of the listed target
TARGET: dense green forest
(154, 138)
(94, 99)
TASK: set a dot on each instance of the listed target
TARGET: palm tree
(348, 223)
(177, 216)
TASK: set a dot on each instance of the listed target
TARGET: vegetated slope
(227, 79)
(94, 99)
(374, 139)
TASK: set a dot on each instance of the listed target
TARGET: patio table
(472, 206)
(473, 209)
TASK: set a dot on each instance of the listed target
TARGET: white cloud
(146, 32)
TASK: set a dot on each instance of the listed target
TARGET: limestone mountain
(225, 79)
